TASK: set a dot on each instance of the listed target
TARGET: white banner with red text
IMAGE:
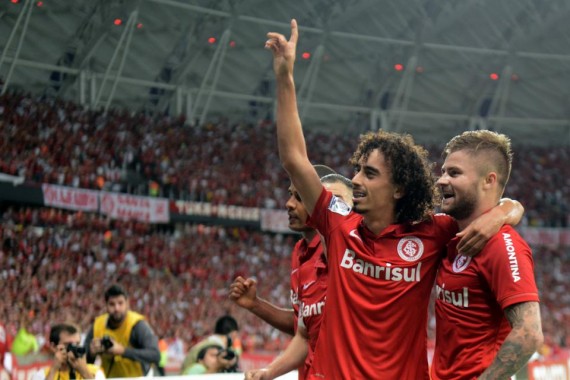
(70, 198)
(131, 207)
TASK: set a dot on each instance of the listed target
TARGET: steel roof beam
(309, 81)
(124, 44)
(224, 42)
(27, 11)
(314, 105)
(366, 38)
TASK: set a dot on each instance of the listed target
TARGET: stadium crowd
(54, 141)
(179, 275)
(178, 278)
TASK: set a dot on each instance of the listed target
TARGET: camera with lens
(106, 342)
(228, 354)
(78, 351)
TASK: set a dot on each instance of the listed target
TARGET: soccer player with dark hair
(308, 284)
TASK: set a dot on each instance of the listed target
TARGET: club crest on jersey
(338, 206)
(460, 263)
(410, 248)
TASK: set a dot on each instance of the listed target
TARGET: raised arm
(478, 233)
(244, 293)
(523, 341)
(290, 139)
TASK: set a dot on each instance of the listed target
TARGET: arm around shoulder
(478, 233)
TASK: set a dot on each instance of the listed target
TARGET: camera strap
(111, 366)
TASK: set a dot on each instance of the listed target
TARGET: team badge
(460, 263)
(338, 206)
(410, 248)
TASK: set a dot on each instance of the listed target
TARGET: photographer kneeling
(212, 358)
(226, 337)
(69, 357)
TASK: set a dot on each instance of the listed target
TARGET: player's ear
(490, 180)
(398, 193)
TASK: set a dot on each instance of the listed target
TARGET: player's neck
(309, 235)
(378, 224)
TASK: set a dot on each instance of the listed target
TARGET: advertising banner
(128, 207)
(70, 198)
(275, 221)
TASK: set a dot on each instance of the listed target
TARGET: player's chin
(297, 227)
(358, 209)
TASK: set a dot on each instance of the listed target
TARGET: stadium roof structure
(428, 67)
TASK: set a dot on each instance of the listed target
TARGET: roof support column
(92, 90)
(178, 102)
(27, 11)
(378, 120)
(82, 87)
(309, 81)
(224, 42)
(189, 107)
(403, 93)
(124, 43)
(215, 66)
(501, 96)
(476, 122)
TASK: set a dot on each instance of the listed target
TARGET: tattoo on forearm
(521, 342)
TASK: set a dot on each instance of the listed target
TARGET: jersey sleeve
(329, 212)
(508, 267)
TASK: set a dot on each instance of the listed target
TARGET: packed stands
(54, 141)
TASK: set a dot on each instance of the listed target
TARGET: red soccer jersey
(308, 286)
(471, 296)
(378, 290)
(312, 297)
(303, 260)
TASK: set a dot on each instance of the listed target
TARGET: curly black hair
(411, 172)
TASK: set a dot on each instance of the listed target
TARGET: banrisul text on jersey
(386, 272)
